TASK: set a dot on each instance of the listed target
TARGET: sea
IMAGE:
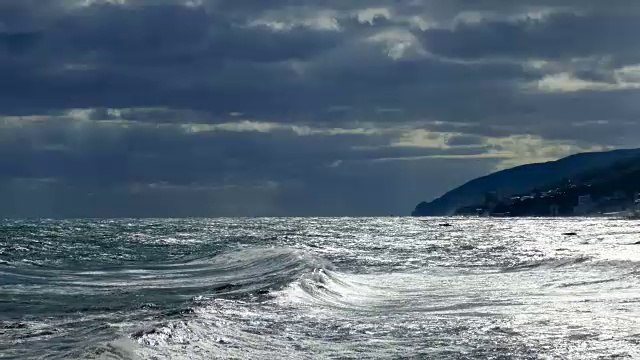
(320, 288)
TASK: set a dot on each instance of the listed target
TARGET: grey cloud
(226, 69)
(620, 134)
(29, 15)
(463, 140)
(116, 154)
(379, 192)
(557, 36)
(436, 9)
(100, 57)
(386, 192)
(139, 165)
(474, 130)
(178, 34)
(181, 57)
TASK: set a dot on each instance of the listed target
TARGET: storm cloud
(231, 108)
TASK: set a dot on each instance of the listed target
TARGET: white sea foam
(321, 289)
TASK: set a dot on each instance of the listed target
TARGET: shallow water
(377, 288)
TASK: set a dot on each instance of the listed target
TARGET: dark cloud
(556, 36)
(122, 165)
(195, 58)
(101, 56)
(474, 131)
(333, 194)
(462, 140)
(123, 153)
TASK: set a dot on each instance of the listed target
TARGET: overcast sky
(299, 107)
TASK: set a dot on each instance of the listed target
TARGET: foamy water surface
(367, 288)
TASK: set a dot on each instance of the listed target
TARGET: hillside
(522, 179)
(604, 190)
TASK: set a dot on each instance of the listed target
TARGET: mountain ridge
(520, 179)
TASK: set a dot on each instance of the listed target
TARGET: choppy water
(386, 288)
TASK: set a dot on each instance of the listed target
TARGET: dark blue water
(387, 288)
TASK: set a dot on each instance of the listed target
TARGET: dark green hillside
(522, 179)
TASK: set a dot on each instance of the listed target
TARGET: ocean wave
(549, 263)
(282, 274)
(121, 349)
(241, 271)
(588, 282)
(164, 303)
(240, 311)
(262, 270)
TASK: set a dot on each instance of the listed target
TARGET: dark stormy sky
(299, 107)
